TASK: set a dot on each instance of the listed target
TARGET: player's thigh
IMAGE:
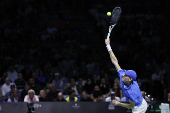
(141, 109)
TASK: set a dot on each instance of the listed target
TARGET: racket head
(115, 15)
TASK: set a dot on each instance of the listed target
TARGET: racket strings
(114, 19)
(115, 15)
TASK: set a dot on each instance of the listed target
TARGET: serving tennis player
(130, 87)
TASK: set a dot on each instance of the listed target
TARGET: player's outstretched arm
(112, 56)
(131, 104)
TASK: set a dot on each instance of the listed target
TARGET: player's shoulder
(121, 71)
(134, 88)
(135, 84)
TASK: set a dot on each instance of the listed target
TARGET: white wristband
(109, 48)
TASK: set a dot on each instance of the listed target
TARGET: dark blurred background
(67, 37)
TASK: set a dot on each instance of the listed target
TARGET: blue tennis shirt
(133, 92)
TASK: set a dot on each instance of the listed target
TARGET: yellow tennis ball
(108, 13)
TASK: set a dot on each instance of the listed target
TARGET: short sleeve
(121, 73)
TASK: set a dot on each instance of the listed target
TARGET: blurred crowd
(43, 51)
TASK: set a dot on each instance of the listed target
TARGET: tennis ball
(108, 13)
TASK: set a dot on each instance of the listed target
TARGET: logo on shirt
(76, 106)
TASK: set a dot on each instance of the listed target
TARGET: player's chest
(125, 93)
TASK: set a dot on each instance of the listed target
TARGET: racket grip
(108, 35)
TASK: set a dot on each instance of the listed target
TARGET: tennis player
(129, 87)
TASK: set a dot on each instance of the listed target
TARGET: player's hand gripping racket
(114, 19)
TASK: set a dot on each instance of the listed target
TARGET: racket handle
(113, 26)
(108, 35)
(110, 29)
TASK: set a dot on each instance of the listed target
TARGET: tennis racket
(114, 19)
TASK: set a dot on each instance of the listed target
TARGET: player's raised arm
(112, 56)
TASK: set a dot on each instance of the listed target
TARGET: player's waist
(139, 103)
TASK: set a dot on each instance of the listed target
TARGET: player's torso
(132, 91)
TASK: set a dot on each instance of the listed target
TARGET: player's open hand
(115, 102)
(107, 41)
